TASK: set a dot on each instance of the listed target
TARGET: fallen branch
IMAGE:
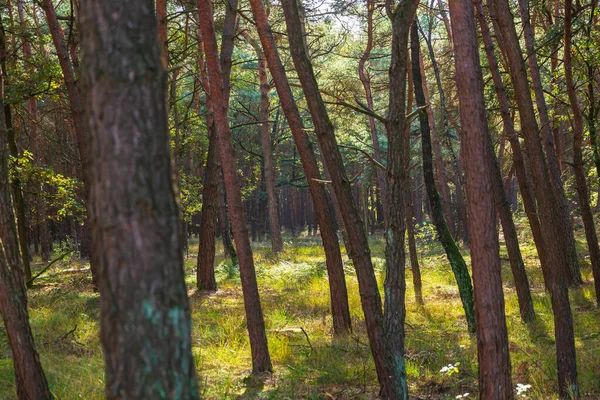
(29, 282)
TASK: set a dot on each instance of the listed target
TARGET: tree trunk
(459, 267)
(386, 332)
(408, 202)
(519, 163)
(205, 272)
(29, 376)
(440, 167)
(132, 206)
(492, 337)
(549, 207)
(267, 148)
(572, 274)
(581, 184)
(76, 108)
(335, 270)
(365, 80)
(261, 360)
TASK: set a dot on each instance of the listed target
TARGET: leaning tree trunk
(386, 332)
(213, 212)
(333, 257)
(81, 131)
(572, 271)
(581, 184)
(145, 315)
(267, 148)
(549, 205)
(492, 336)
(459, 267)
(29, 376)
(261, 361)
(366, 82)
(524, 179)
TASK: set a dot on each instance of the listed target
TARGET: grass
(308, 362)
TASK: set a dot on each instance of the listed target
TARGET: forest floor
(308, 362)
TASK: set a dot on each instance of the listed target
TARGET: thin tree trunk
(205, 271)
(76, 109)
(573, 273)
(333, 257)
(261, 361)
(580, 179)
(29, 376)
(549, 207)
(385, 331)
(440, 167)
(492, 337)
(459, 267)
(362, 73)
(408, 203)
(524, 178)
(267, 148)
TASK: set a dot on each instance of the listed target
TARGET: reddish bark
(492, 337)
(502, 207)
(549, 206)
(76, 109)
(261, 360)
(337, 283)
(580, 176)
(381, 182)
(572, 272)
(386, 332)
(267, 148)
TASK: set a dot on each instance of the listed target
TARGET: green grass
(308, 362)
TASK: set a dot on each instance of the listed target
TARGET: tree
(385, 331)
(457, 262)
(267, 149)
(333, 256)
(145, 316)
(580, 180)
(548, 204)
(29, 375)
(492, 337)
(261, 361)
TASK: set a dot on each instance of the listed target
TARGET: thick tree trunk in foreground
(30, 379)
(492, 336)
(459, 267)
(145, 315)
(261, 361)
(385, 333)
(333, 257)
(549, 207)
(581, 184)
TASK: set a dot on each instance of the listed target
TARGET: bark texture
(459, 267)
(145, 316)
(337, 283)
(549, 205)
(261, 361)
(386, 332)
(492, 336)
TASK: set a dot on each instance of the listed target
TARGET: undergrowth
(308, 362)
